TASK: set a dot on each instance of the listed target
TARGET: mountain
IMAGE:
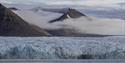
(12, 25)
(19, 24)
(69, 13)
(66, 13)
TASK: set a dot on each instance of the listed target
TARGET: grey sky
(67, 2)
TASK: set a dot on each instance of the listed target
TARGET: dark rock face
(69, 13)
(13, 8)
(12, 25)
(74, 13)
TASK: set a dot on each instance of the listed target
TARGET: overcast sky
(68, 2)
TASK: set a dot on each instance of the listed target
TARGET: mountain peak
(74, 13)
(69, 13)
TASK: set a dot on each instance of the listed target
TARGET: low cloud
(90, 25)
(96, 25)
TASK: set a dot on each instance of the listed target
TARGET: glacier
(62, 47)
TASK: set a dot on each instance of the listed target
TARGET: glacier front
(62, 47)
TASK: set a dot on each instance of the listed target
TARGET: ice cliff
(62, 48)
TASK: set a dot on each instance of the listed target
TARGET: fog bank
(90, 25)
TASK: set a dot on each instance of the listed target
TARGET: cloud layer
(69, 2)
(97, 26)
(90, 25)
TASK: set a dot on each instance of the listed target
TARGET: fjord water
(62, 47)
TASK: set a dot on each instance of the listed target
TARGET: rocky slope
(12, 25)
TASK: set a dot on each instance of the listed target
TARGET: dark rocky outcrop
(13, 8)
(69, 13)
(12, 25)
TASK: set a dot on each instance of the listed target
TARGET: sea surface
(112, 47)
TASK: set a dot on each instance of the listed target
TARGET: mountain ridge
(12, 25)
(70, 13)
